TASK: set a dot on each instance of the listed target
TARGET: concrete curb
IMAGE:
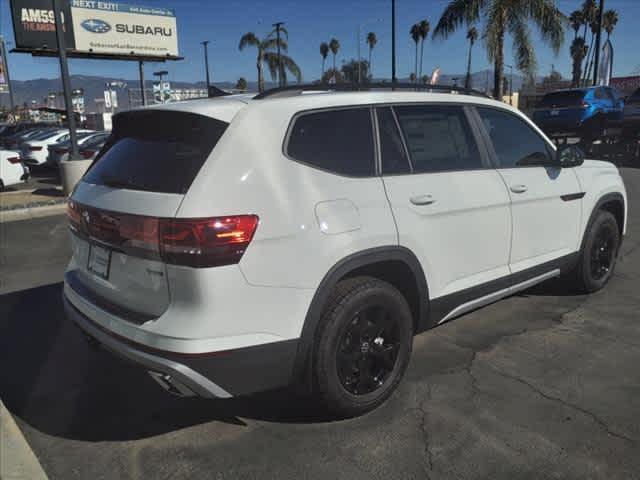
(17, 460)
(32, 212)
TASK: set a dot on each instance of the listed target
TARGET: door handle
(422, 200)
(518, 188)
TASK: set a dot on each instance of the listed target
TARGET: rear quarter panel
(248, 173)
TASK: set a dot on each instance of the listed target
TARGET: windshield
(157, 150)
(572, 98)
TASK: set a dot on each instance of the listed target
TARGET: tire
(597, 259)
(363, 345)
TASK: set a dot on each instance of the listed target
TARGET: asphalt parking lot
(541, 385)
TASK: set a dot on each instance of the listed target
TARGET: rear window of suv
(339, 141)
(571, 98)
(156, 150)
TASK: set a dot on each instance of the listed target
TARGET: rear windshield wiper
(115, 182)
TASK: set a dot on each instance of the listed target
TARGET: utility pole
(66, 83)
(597, 52)
(141, 72)
(278, 25)
(206, 62)
(6, 74)
(394, 80)
(359, 74)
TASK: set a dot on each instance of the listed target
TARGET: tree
(426, 79)
(578, 53)
(594, 27)
(502, 17)
(423, 27)
(267, 56)
(371, 41)
(472, 36)
(241, 84)
(576, 20)
(412, 77)
(334, 46)
(332, 75)
(349, 71)
(415, 35)
(609, 21)
(553, 78)
(324, 51)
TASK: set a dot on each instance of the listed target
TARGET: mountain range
(94, 86)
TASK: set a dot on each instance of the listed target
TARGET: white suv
(239, 244)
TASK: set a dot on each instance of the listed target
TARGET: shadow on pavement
(54, 381)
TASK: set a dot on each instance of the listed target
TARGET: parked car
(59, 152)
(240, 244)
(91, 148)
(588, 113)
(12, 170)
(632, 114)
(34, 149)
(13, 142)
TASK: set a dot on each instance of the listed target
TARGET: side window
(340, 141)
(516, 144)
(438, 138)
(64, 138)
(394, 157)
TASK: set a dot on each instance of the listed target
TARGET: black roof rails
(363, 87)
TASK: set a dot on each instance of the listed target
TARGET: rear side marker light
(192, 242)
(35, 149)
(14, 160)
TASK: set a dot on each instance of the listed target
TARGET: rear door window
(338, 141)
(155, 150)
(438, 138)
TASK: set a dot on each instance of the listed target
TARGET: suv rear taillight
(193, 242)
(585, 105)
(14, 159)
(87, 153)
(34, 149)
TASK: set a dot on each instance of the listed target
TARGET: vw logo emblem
(95, 25)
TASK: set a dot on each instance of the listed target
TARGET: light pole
(510, 67)
(160, 74)
(277, 26)
(394, 80)
(66, 83)
(206, 61)
(596, 62)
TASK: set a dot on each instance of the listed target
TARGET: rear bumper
(209, 375)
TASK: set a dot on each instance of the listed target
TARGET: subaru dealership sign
(97, 27)
(108, 27)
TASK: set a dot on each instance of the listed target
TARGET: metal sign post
(66, 83)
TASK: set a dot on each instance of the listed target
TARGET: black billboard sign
(34, 24)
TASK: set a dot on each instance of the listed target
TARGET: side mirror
(569, 156)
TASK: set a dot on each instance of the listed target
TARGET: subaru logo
(95, 25)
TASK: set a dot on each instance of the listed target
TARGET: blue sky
(311, 22)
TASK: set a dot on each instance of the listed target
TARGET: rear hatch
(136, 183)
(561, 109)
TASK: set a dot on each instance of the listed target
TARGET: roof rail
(293, 90)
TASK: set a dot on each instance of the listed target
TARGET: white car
(239, 244)
(35, 151)
(12, 170)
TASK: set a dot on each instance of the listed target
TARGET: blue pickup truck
(589, 113)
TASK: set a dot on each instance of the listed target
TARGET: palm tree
(576, 19)
(609, 21)
(371, 41)
(423, 28)
(593, 26)
(472, 36)
(334, 46)
(589, 14)
(415, 35)
(267, 56)
(578, 52)
(324, 51)
(502, 17)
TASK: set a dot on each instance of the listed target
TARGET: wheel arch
(611, 202)
(394, 264)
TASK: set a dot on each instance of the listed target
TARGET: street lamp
(394, 80)
(206, 61)
(359, 36)
(510, 67)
